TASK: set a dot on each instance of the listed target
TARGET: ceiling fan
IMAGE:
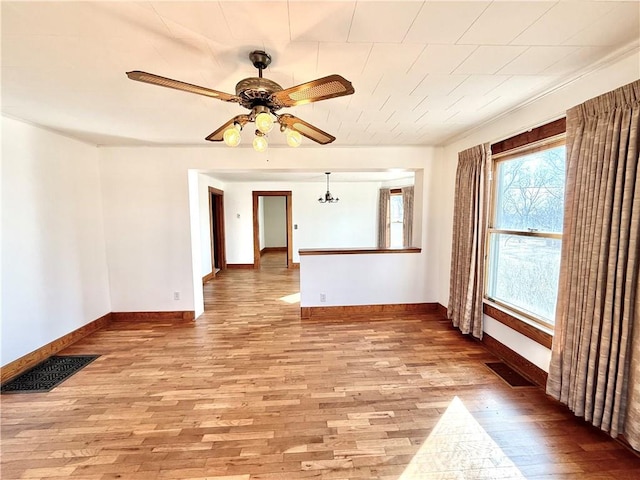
(263, 97)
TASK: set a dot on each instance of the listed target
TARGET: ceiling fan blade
(217, 135)
(306, 129)
(178, 85)
(314, 91)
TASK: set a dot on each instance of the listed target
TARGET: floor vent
(48, 374)
(509, 375)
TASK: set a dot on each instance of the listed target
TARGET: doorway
(216, 222)
(256, 225)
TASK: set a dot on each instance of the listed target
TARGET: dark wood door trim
(256, 224)
(216, 202)
(289, 232)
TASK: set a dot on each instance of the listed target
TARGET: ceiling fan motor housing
(255, 91)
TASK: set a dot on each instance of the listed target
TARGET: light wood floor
(251, 392)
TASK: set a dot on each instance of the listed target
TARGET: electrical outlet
(176, 295)
(323, 297)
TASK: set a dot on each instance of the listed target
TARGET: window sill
(355, 251)
(531, 330)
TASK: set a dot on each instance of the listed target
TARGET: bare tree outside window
(526, 232)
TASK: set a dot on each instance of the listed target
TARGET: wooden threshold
(272, 250)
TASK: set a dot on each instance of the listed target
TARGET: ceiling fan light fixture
(231, 135)
(260, 143)
(264, 122)
(294, 139)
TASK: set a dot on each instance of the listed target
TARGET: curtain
(407, 216)
(595, 360)
(469, 223)
(384, 224)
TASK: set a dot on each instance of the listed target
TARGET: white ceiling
(423, 72)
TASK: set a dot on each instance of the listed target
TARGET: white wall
(54, 267)
(147, 221)
(349, 223)
(195, 216)
(274, 222)
(548, 108)
(362, 279)
(377, 279)
(148, 230)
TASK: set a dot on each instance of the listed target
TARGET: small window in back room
(396, 219)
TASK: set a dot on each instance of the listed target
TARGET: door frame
(218, 251)
(256, 224)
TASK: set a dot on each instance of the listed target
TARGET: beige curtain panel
(595, 362)
(384, 223)
(469, 222)
(407, 216)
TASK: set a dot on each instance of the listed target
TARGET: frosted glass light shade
(260, 143)
(294, 139)
(231, 135)
(264, 122)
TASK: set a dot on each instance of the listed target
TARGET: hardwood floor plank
(250, 391)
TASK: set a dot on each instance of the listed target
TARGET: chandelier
(328, 198)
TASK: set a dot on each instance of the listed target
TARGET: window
(525, 228)
(396, 217)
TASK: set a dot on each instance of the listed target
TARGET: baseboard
(208, 276)
(24, 363)
(175, 316)
(441, 310)
(516, 361)
(339, 311)
(295, 265)
(248, 266)
(272, 249)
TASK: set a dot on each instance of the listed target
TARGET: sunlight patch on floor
(459, 448)
(293, 298)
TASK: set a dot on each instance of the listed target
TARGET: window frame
(545, 137)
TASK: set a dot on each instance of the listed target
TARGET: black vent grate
(509, 375)
(48, 374)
